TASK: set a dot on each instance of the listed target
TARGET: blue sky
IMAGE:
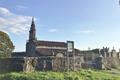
(90, 23)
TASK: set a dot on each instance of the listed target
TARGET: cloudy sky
(90, 23)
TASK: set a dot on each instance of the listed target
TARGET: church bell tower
(30, 45)
(32, 32)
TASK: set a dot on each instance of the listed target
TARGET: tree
(6, 45)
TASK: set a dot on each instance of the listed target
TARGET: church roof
(51, 43)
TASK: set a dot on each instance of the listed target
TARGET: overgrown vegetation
(6, 45)
(79, 75)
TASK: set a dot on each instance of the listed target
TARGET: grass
(78, 75)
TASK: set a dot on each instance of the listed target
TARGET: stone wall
(11, 64)
(30, 64)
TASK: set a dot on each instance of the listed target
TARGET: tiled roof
(51, 43)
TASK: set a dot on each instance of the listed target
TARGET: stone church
(38, 48)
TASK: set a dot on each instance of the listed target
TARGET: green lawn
(79, 75)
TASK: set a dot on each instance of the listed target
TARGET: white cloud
(13, 23)
(87, 31)
(21, 7)
(52, 30)
(5, 12)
